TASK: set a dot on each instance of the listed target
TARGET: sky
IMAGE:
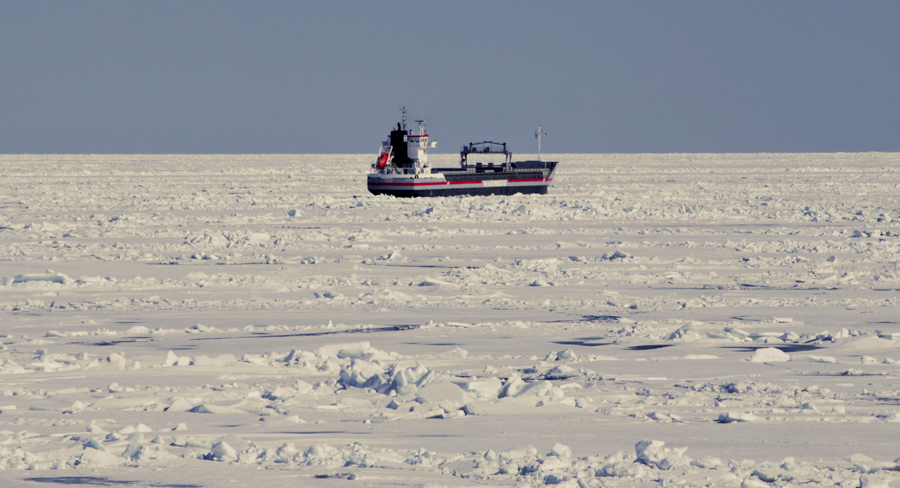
(630, 76)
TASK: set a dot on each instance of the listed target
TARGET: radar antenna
(539, 134)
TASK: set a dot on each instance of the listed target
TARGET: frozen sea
(220, 320)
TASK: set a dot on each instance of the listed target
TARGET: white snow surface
(686, 319)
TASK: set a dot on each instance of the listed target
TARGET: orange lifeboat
(382, 160)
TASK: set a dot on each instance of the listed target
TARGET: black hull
(447, 192)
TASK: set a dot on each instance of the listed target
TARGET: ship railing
(485, 147)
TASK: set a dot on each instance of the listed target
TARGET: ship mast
(403, 111)
(538, 134)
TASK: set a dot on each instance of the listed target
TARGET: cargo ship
(402, 170)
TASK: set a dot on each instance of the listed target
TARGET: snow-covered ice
(696, 320)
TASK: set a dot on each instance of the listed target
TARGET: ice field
(214, 321)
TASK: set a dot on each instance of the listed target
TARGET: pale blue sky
(324, 77)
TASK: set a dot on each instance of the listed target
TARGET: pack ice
(656, 320)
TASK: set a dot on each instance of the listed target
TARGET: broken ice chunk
(440, 393)
(50, 276)
(769, 355)
(485, 388)
(567, 355)
(207, 408)
(727, 418)
(221, 451)
(179, 404)
(687, 333)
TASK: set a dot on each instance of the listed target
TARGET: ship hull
(456, 183)
(452, 190)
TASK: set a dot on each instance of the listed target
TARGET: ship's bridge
(417, 145)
